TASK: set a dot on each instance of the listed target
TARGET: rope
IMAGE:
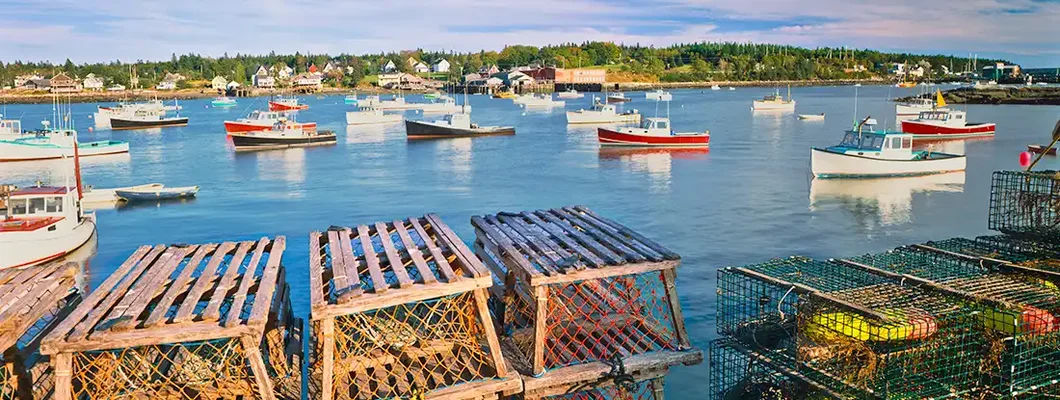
(781, 302)
(619, 376)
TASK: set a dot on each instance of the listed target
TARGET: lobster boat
(654, 132)
(145, 120)
(282, 135)
(602, 114)
(223, 101)
(943, 123)
(618, 98)
(369, 115)
(864, 153)
(570, 94)
(259, 120)
(452, 126)
(774, 102)
(286, 104)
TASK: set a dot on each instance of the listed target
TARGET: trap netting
(1026, 203)
(648, 389)
(24, 372)
(737, 372)
(409, 349)
(593, 320)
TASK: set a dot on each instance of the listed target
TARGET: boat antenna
(860, 125)
(855, 104)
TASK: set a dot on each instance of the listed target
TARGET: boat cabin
(10, 127)
(885, 145)
(656, 125)
(267, 115)
(458, 120)
(942, 116)
(34, 207)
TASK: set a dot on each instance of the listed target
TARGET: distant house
(441, 66)
(92, 82)
(388, 80)
(166, 85)
(171, 77)
(283, 72)
(219, 83)
(62, 83)
(313, 69)
(307, 81)
(329, 66)
(945, 70)
(262, 71)
(489, 70)
(514, 78)
(897, 69)
(471, 77)
(412, 62)
(389, 67)
(400, 80)
(491, 81)
(22, 79)
(232, 85)
(116, 88)
(421, 68)
(563, 75)
(918, 71)
(36, 84)
(264, 82)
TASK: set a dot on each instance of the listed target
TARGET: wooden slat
(540, 329)
(316, 272)
(26, 293)
(327, 327)
(508, 252)
(372, 301)
(426, 275)
(375, 272)
(269, 281)
(17, 287)
(246, 279)
(558, 234)
(482, 304)
(670, 281)
(436, 253)
(176, 288)
(213, 307)
(252, 351)
(466, 256)
(46, 298)
(396, 264)
(340, 282)
(666, 253)
(112, 296)
(586, 241)
(352, 269)
(520, 232)
(145, 290)
(621, 248)
(187, 306)
(589, 220)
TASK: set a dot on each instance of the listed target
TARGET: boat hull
(416, 130)
(595, 117)
(13, 151)
(827, 164)
(275, 106)
(1039, 149)
(24, 249)
(615, 100)
(244, 142)
(160, 194)
(245, 126)
(770, 106)
(924, 130)
(608, 137)
(126, 124)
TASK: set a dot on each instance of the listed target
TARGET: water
(748, 199)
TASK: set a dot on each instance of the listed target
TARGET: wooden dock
(183, 322)
(32, 300)
(587, 304)
(399, 309)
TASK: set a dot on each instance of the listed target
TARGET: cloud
(151, 29)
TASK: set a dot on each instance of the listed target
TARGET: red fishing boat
(941, 123)
(653, 132)
(286, 104)
(259, 120)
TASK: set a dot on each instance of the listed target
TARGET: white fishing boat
(103, 114)
(452, 126)
(95, 197)
(369, 115)
(570, 94)
(943, 123)
(864, 153)
(397, 103)
(602, 114)
(812, 117)
(914, 107)
(618, 97)
(54, 144)
(731, 88)
(774, 102)
(655, 132)
(443, 105)
(368, 101)
(715, 87)
(542, 101)
(282, 135)
(10, 129)
(658, 95)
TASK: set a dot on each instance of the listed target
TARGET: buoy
(1025, 159)
(90, 129)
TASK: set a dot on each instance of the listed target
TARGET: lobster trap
(1019, 307)
(737, 372)
(854, 332)
(581, 293)
(183, 322)
(399, 309)
(1026, 203)
(32, 300)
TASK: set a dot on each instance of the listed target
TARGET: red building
(561, 75)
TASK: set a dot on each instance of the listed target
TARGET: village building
(262, 79)
(487, 70)
(471, 77)
(22, 79)
(62, 83)
(219, 83)
(441, 66)
(563, 75)
(421, 68)
(166, 85)
(283, 71)
(172, 77)
(36, 84)
(329, 66)
(389, 67)
(514, 78)
(117, 87)
(1001, 70)
(308, 82)
(92, 82)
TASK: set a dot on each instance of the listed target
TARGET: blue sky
(1024, 31)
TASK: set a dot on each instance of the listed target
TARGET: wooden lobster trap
(32, 300)
(183, 322)
(399, 309)
(581, 294)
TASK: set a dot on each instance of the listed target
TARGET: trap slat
(352, 269)
(639, 245)
(392, 257)
(316, 269)
(468, 261)
(375, 271)
(426, 275)
(341, 276)
(436, 254)
(158, 356)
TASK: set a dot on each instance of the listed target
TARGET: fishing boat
(504, 95)
(654, 132)
(1039, 149)
(914, 107)
(103, 114)
(774, 102)
(97, 196)
(943, 123)
(396, 103)
(223, 101)
(282, 135)
(258, 120)
(905, 84)
(715, 87)
(369, 115)
(658, 95)
(452, 126)
(812, 117)
(618, 97)
(542, 101)
(432, 95)
(864, 153)
(350, 99)
(602, 114)
(11, 129)
(368, 101)
(731, 88)
(443, 105)
(146, 119)
(51, 144)
(570, 94)
(286, 103)
(156, 193)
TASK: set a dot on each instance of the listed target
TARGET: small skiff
(106, 196)
(812, 117)
(1039, 149)
(163, 193)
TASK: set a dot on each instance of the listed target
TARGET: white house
(261, 71)
(489, 70)
(116, 88)
(387, 80)
(92, 82)
(329, 66)
(166, 85)
(264, 82)
(441, 66)
(219, 83)
(421, 68)
(283, 72)
(918, 71)
(389, 67)
(898, 69)
(232, 85)
(307, 81)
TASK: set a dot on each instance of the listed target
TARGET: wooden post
(17, 371)
(491, 333)
(657, 387)
(540, 324)
(63, 368)
(669, 278)
(257, 366)
(327, 378)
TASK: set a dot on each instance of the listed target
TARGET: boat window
(959, 116)
(36, 205)
(18, 206)
(871, 142)
(850, 140)
(54, 204)
(907, 143)
(896, 143)
(661, 125)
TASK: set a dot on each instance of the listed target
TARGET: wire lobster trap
(737, 372)
(183, 322)
(32, 300)
(1026, 203)
(399, 309)
(853, 331)
(581, 293)
(1020, 311)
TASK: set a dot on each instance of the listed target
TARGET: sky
(1023, 31)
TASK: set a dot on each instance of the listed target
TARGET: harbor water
(749, 198)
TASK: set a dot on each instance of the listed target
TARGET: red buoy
(1025, 159)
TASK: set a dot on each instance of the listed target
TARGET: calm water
(748, 199)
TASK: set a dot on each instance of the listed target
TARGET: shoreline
(1029, 95)
(21, 97)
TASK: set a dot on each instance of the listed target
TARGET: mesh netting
(1026, 203)
(649, 389)
(25, 359)
(595, 320)
(739, 373)
(409, 349)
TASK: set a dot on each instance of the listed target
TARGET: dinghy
(152, 193)
(812, 117)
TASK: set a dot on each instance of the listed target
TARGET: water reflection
(656, 163)
(58, 171)
(286, 165)
(370, 133)
(890, 200)
(454, 156)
